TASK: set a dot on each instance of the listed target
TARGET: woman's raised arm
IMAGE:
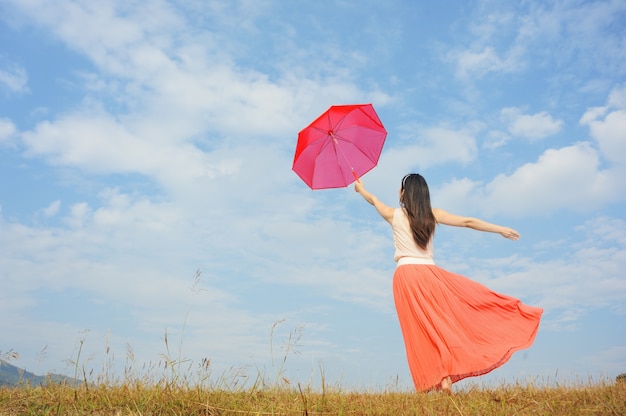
(446, 218)
(384, 210)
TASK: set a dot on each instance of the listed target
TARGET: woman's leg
(446, 385)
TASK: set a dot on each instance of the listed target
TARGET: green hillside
(11, 375)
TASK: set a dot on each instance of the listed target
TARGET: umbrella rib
(356, 147)
(338, 146)
(321, 139)
(363, 112)
(375, 120)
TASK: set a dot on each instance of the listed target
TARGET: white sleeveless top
(405, 245)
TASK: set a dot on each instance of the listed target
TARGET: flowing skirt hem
(455, 327)
(458, 377)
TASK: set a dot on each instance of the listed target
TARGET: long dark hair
(415, 198)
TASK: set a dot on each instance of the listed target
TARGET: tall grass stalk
(175, 364)
(289, 346)
(79, 368)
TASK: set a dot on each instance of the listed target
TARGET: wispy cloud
(506, 37)
(7, 131)
(607, 126)
(530, 126)
(13, 77)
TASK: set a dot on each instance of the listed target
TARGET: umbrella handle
(356, 176)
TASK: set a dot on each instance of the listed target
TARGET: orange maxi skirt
(453, 326)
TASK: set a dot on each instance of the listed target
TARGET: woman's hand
(358, 186)
(509, 233)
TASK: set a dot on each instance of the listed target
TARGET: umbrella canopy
(342, 144)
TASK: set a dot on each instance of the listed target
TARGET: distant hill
(11, 375)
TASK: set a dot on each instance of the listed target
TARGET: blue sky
(141, 142)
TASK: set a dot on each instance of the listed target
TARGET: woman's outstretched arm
(384, 210)
(446, 218)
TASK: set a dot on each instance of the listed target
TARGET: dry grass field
(134, 398)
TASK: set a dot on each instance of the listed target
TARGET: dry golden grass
(173, 387)
(163, 399)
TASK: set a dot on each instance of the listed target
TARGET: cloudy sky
(146, 185)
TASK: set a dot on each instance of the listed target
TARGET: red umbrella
(339, 146)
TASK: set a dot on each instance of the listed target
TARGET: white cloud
(617, 97)
(496, 139)
(610, 134)
(13, 77)
(455, 194)
(7, 130)
(530, 126)
(568, 178)
(109, 33)
(52, 209)
(476, 63)
(607, 126)
(593, 114)
(432, 146)
(573, 178)
(505, 36)
(94, 142)
(189, 115)
(481, 62)
(191, 84)
(610, 232)
(80, 214)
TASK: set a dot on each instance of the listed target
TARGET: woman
(453, 327)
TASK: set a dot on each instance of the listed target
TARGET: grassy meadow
(135, 398)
